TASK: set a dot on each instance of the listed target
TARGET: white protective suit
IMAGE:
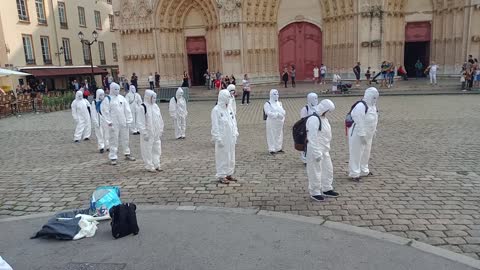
(118, 117)
(275, 120)
(134, 101)
(81, 116)
(151, 127)
(99, 124)
(360, 135)
(224, 134)
(319, 163)
(178, 112)
(233, 104)
(307, 110)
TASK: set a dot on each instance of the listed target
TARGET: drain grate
(95, 266)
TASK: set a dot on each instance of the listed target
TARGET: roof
(56, 71)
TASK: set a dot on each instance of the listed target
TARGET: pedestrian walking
(151, 81)
(356, 71)
(368, 76)
(224, 135)
(246, 89)
(316, 75)
(285, 77)
(319, 163)
(185, 79)
(323, 73)
(360, 135)
(157, 80)
(432, 73)
(134, 80)
(293, 75)
(275, 120)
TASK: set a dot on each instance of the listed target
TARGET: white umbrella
(8, 72)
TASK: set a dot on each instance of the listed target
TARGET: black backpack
(348, 119)
(300, 132)
(124, 220)
(265, 116)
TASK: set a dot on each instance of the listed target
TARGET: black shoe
(281, 151)
(77, 141)
(108, 149)
(331, 194)
(356, 179)
(272, 153)
(101, 151)
(86, 139)
(318, 198)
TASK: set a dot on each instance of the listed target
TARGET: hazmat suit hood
(325, 105)
(223, 97)
(179, 93)
(79, 95)
(149, 97)
(371, 96)
(273, 95)
(114, 89)
(100, 94)
(312, 100)
(132, 89)
(231, 88)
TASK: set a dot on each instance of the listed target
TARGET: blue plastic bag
(104, 198)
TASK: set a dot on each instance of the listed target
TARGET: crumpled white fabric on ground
(4, 265)
(88, 227)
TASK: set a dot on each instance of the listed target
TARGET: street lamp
(89, 44)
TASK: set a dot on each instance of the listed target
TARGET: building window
(112, 22)
(101, 51)
(81, 17)
(45, 44)
(28, 49)
(42, 19)
(109, 2)
(22, 10)
(62, 15)
(67, 51)
(98, 20)
(114, 51)
(86, 54)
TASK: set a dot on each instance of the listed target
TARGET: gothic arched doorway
(300, 44)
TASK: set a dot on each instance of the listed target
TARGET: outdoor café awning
(8, 72)
(63, 71)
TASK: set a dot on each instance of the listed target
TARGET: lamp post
(89, 44)
(60, 52)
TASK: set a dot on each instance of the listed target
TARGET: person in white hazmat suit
(361, 133)
(224, 135)
(134, 101)
(309, 109)
(99, 124)
(118, 117)
(178, 112)
(319, 163)
(81, 115)
(233, 104)
(275, 120)
(150, 124)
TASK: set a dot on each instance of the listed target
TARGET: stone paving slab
(425, 160)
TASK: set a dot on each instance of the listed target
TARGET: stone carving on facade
(230, 10)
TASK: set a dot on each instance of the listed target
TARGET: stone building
(40, 37)
(261, 37)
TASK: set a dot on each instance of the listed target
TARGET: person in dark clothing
(185, 79)
(157, 80)
(357, 71)
(285, 77)
(246, 89)
(233, 80)
(134, 80)
(293, 75)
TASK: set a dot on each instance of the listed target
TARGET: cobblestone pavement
(425, 160)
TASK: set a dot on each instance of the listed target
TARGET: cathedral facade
(262, 37)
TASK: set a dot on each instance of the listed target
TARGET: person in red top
(401, 72)
(218, 84)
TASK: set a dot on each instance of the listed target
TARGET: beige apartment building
(41, 37)
(262, 37)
